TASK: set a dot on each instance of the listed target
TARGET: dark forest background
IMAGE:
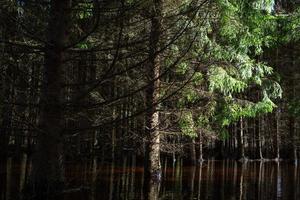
(191, 79)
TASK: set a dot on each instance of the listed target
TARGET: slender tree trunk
(20, 96)
(5, 127)
(200, 147)
(47, 175)
(153, 166)
(259, 138)
(277, 134)
(293, 136)
(240, 138)
(7, 32)
(292, 121)
(193, 158)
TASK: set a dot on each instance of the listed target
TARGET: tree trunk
(292, 120)
(240, 138)
(259, 139)
(6, 111)
(153, 167)
(200, 147)
(47, 175)
(277, 134)
(193, 158)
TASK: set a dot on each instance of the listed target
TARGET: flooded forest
(150, 99)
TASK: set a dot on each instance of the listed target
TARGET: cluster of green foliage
(290, 26)
(232, 43)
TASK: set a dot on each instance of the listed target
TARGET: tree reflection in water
(209, 180)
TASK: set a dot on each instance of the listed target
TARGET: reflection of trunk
(94, 177)
(8, 178)
(111, 182)
(153, 190)
(296, 181)
(12, 178)
(199, 180)
(177, 173)
(240, 138)
(23, 172)
(207, 178)
(278, 182)
(124, 177)
(47, 176)
(235, 166)
(260, 179)
(224, 174)
(153, 167)
(132, 181)
(242, 181)
(191, 178)
(2, 178)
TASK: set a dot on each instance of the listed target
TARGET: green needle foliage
(230, 48)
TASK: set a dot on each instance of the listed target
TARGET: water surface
(211, 180)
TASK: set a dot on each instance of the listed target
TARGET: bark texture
(47, 175)
(153, 167)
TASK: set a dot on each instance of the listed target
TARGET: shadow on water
(209, 180)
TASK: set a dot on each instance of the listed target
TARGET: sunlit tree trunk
(153, 166)
(240, 138)
(193, 159)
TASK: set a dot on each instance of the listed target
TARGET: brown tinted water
(211, 180)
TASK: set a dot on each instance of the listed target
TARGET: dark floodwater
(213, 180)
